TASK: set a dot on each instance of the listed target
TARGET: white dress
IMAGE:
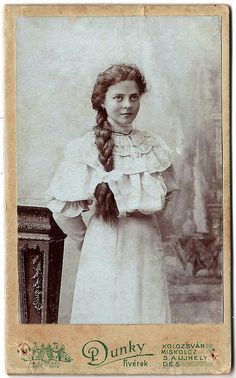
(121, 277)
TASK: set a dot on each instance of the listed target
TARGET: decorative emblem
(43, 355)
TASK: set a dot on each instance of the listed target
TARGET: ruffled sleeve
(164, 167)
(70, 192)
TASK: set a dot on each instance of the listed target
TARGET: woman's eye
(118, 98)
(134, 97)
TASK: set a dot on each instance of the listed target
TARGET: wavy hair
(105, 202)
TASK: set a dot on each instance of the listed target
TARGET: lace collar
(138, 152)
(141, 141)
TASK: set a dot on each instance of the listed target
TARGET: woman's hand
(168, 198)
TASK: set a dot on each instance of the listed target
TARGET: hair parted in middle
(106, 205)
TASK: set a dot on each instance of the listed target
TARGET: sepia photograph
(119, 136)
(121, 186)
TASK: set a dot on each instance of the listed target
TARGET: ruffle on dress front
(141, 163)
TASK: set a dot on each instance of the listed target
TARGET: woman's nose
(126, 103)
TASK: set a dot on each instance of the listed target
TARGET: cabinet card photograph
(118, 189)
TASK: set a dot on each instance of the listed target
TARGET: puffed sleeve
(70, 192)
(160, 165)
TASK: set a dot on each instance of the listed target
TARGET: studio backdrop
(57, 62)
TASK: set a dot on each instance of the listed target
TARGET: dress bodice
(140, 180)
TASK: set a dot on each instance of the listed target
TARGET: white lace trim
(133, 153)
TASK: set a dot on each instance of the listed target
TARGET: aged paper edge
(75, 336)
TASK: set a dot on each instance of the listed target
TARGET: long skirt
(121, 277)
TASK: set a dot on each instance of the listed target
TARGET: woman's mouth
(126, 114)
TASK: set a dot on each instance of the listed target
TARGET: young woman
(128, 174)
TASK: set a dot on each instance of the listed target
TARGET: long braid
(106, 204)
(104, 141)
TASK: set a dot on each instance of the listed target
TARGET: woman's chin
(126, 120)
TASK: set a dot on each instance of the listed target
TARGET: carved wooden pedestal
(40, 257)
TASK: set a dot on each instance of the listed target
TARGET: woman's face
(122, 102)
